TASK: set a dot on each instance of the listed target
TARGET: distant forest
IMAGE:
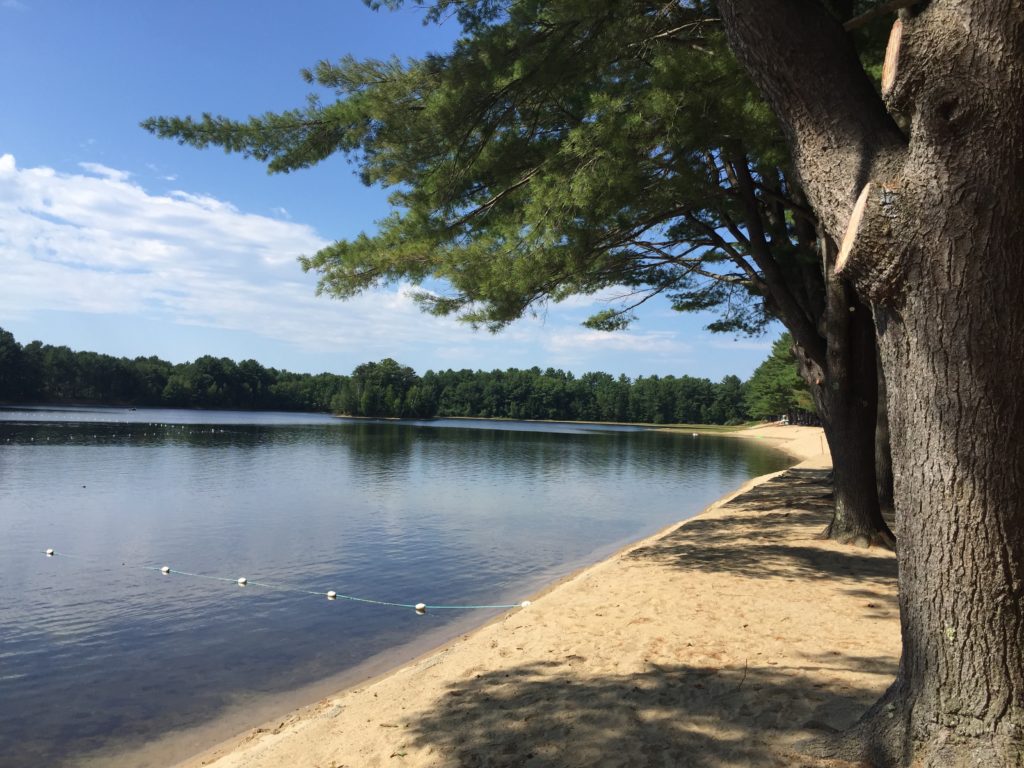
(41, 373)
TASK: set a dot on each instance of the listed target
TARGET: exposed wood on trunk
(872, 257)
(938, 243)
(848, 130)
(892, 57)
(852, 228)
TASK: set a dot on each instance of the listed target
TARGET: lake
(101, 653)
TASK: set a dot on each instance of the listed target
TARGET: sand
(723, 641)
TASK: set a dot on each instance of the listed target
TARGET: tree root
(885, 738)
(858, 538)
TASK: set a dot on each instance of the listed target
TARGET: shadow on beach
(670, 716)
(784, 506)
(554, 714)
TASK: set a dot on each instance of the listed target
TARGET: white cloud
(160, 174)
(98, 169)
(651, 342)
(600, 299)
(98, 242)
(577, 348)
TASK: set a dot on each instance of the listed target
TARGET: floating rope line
(242, 581)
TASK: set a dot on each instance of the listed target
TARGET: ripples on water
(94, 654)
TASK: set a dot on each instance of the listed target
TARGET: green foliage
(12, 367)
(776, 388)
(561, 147)
(51, 374)
(381, 389)
(40, 372)
(558, 395)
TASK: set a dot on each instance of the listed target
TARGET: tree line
(38, 372)
(560, 147)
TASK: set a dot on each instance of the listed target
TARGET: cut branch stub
(852, 227)
(873, 253)
(892, 58)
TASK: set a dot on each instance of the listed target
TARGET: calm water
(96, 655)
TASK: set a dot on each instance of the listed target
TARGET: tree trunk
(883, 448)
(847, 401)
(846, 396)
(835, 346)
(937, 250)
(959, 487)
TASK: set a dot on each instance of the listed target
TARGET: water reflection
(94, 653)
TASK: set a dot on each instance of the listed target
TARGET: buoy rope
(330, 595)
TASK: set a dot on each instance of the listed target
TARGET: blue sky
(114, 241)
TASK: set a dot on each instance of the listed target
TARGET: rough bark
(835, 345)
(848, 394)
(883, 448)
(845, 394)
(938, 251)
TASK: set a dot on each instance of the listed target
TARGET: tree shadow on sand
(543, 716)
(557, 714)
(758, 540)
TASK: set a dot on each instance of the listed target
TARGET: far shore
(721, 641)
(722, 429)
(805, 444)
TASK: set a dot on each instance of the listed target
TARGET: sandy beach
(722, 641)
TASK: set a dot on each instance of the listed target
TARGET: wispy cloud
(160, 174)
(601, 299)
(99, 242)
(651, 342)
(98, 169)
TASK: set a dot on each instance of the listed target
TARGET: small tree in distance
(775, 389)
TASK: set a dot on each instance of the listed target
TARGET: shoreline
(434, 652)
(805, 444)
(309, 734)
(709, 429)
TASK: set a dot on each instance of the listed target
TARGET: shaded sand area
(723, 641)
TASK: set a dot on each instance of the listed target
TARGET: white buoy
(242, 581)
(332, 595)
(696, 434)
(421, 608)
(525, 604)
(49, 553)
(165, 570)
